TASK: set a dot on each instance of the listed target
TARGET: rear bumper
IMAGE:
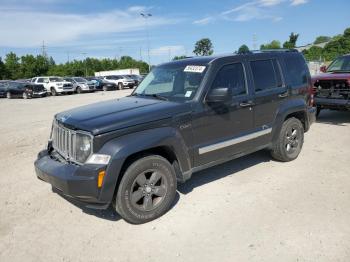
(329, 103)
(78, 182)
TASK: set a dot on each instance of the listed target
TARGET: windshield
(56, 79)
(341, 64)
(173, 82)
(80, 79)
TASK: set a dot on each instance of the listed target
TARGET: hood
(331, 76)
(116, 114)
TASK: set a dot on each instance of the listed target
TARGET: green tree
(315, 53)
(243, 49)
(179, 57)
(28, 66)
(291, 43)
(275, 44)
(12, 65)
(203, 47)
(322, 39)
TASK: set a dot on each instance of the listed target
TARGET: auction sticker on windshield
(194, 69)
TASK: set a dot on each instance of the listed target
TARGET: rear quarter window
(296, 70)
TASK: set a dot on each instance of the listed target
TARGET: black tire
(146, 191)
(8, 95)
(119, 86)
(53, 91)
(131, 87)
(79, 91)
(290, 141)
(318, 111)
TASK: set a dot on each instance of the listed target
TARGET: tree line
(27, 66)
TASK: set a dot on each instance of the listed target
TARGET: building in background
(129, 71)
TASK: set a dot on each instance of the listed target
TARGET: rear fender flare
(285, 109)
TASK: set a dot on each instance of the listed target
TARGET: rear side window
(297, 70)
(266, 74)
(233, 77)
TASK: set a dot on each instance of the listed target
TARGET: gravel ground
(250, 209)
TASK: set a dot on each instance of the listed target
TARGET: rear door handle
(246, 104)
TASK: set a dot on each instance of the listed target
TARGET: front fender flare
(122, 147)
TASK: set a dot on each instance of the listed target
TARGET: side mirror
(323, 69)
(219, 95)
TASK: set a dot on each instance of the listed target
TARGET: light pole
(146, 16)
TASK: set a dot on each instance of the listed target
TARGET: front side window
(56, 79)
(264, 75)
(40, 80)
(173, 82)
(232, 77)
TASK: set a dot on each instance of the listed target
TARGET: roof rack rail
(269, 50)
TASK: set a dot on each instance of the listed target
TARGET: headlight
(98, 159)
(59, 84)
(83, 147)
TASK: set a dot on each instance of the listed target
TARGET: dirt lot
(250, 209)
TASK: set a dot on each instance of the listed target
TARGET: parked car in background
(136, 78)
(101, 84)
(24, 90)
(3, 88)
(81, 84)
(120, 81)
(54, 85)
(332, 88)
(186, 116)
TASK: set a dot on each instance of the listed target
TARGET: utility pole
(84, 54)
(146, 16)
(43, 50)
(254, 42)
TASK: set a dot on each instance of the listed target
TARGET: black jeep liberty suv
(184, 116)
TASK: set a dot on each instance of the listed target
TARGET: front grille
(333, 88)
(63, 141)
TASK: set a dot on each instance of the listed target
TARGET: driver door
(219, 128)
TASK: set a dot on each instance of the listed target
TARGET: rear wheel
(105, 88)
(147, 190)
(290, 141)
(8, 95)
(53, 91)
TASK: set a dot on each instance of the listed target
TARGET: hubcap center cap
(148, 189)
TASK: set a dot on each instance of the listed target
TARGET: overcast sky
(110, 28)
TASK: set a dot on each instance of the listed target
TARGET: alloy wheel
(148, 190)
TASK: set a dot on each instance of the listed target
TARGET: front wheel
(53, 91)
(290, 141)
(318, 111)
(79, 91)
(8, 95)
(120, 86)
(147, 190)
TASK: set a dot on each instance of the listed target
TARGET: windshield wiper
(152, 95)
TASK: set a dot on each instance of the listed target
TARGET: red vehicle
(332, 87)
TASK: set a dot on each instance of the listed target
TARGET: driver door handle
(283, 95)
(246, 104)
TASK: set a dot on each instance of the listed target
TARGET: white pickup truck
(54, 85)
(121, 81)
